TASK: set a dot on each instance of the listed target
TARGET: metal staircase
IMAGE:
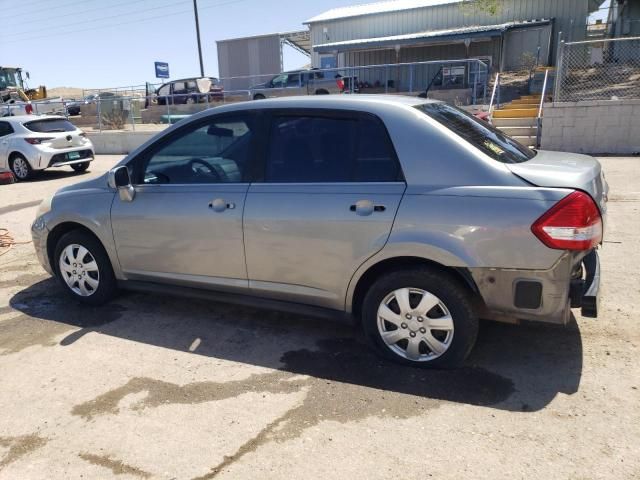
(521, 118)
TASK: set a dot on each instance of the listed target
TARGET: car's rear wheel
(20, 167)
(420, 317)
(80, 167)
(84, 269)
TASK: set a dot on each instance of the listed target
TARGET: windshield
(481, 135)
(8, 79)
(50, 125)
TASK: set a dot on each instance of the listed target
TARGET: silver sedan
(406, 215)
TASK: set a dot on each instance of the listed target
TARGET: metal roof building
(420, 30)
(243, 62)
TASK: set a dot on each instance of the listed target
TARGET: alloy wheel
(20, 168)
(415, 324)
(79, 270)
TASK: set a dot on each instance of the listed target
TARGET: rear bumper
(61, 160)
(585, 293)
(541, 295)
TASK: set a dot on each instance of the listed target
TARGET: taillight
(37, 140)
(28, 108)
(574, 223)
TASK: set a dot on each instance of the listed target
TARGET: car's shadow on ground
(47, 175)
(517, 368)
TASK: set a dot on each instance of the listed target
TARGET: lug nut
(404, 325)
(408, 316)
(413, 334)
(420, 319)
(423, 330)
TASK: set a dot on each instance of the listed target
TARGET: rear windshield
(50, 125)
(478, 133)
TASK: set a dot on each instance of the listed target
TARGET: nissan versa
(406, 214)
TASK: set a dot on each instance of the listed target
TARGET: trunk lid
(62, 140)
(565, 170)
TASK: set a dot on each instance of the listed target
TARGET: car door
(184, 224)
(5, 130)
(330, 189)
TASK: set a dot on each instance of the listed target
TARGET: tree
(490, 7)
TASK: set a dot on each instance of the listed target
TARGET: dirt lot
(157, 387)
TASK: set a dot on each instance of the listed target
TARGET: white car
(34, 142)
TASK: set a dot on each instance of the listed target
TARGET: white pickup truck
(304, 82)
(48, 106)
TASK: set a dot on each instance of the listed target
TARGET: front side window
(217, 152)
(481, 135)
(318, 149)
(164, 90)
(280, 80)
(50, 125)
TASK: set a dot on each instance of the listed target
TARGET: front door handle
(220, 205)
(366, 207)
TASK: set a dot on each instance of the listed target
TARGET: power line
(128, 14)
(24, 13)
(83, 12)
(138, 21)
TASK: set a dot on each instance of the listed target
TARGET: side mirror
(119, 179)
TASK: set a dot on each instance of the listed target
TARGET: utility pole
(195, 11)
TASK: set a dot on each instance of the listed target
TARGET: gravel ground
(159, 387)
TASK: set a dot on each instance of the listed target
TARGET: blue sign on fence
(162, 70)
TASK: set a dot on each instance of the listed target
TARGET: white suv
(29, 143)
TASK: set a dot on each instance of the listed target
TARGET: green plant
(490, 7)
(114, 120)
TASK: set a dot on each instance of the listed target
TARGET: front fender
(91, 209)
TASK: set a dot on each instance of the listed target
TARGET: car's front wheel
(21, 168)
(80, 167)
(84, 269)
(421, 317)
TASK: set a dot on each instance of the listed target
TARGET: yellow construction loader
(12, 85)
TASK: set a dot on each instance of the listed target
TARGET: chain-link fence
(606, 69)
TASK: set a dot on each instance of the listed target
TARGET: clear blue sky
(100, 43)
(105, 43)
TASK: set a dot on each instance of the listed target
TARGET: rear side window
(481, 135)
(50, 125)
(5, 129)
(318, 149)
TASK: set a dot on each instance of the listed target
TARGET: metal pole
(99, 102)
(558, 83)
(493, 93)
(195, 11)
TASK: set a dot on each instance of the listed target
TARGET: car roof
(336, 101)
(29, 118)
(189, 78)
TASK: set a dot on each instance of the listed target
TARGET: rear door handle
(366, 207)
(220, 205)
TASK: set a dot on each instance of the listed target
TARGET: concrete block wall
(594, 127)
(118, 142)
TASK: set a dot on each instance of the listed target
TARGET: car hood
(99, 183)
(565, 170)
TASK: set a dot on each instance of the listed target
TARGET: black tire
(453, 295)
(107, 286)
(259, 96)
(29, 171)
(80, 167)
(322, 92)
